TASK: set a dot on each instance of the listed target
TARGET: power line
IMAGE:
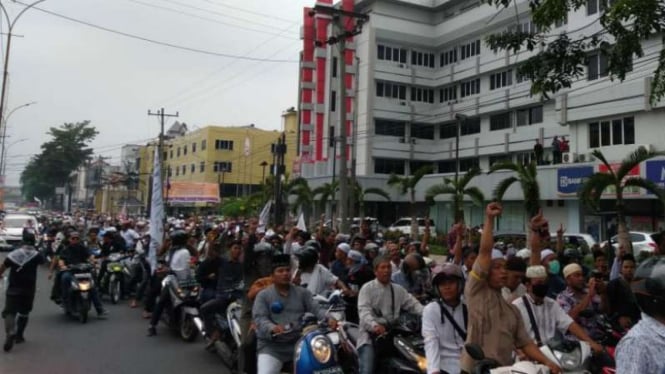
(226, 14)
(165, 44)
(266, 15)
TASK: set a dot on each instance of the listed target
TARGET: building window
(171, 154)
(169, 172)
(224, 144)
(178, 152)
(423, 95)
(449, 166)
(416, 165)
(388, 166)
(422, 131)
(391, 90)
(192, 169)
(593, 6)
(202, 167)
(422, 59)
(500, 158)
(501, 79)
(448, 57)
(530, 116)
(389, 128)
(193, 147)
(470, 49)
(333, 101)
(470, 87)
(500, 121)
(448, 94)
(204, 142)
(177, 171)
(222, 166)
(448, 130)
(334, 67)
(527, 27)
(612, 132)
(470, 126)
(184, 169)
(520, 77)
(184, 150)
(597, 66)
(395, 54)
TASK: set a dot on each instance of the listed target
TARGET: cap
(281, 260)
(497, 254)
(356, 256)
(524, 253)
(344, 248)
(545, 254)
(570, 269)
(536, 271)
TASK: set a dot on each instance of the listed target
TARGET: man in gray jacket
(277, 312)
(379, 306)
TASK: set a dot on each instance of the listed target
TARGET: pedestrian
(538, 152)
(22, 264)
(556, 150)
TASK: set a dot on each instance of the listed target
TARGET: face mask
(540, 290)
(555, 267)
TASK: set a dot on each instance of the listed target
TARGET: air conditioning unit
(403, 103)
(413, 140)
(568, 157)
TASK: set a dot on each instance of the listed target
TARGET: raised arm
(458, 231)
(484, 259)
(537, 223)
(426, 236)
(559, 240)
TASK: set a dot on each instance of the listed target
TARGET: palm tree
(326, 192)
(458, 189)
(303, 196)
(361, 193)
(407, 184)
(527, 176)
(617, 179)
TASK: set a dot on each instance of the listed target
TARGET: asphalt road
(56, 344)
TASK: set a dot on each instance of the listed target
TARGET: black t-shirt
(23, 279)
(75, 254)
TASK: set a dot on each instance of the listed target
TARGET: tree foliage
(458, 189)
(66, 151)
(526, 176)
(406, 184)
(617, 180)
(561, 60)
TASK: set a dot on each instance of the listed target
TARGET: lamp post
(3, 123)
(10, 25)
(6, 151)
(263, 165)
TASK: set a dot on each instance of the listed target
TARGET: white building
(421, 62)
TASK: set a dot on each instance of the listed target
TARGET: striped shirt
(641, 350)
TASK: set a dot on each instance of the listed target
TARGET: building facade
(418, 64)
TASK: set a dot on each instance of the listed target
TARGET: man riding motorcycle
(73, 254)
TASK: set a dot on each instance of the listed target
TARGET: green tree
(59, 157)
(303, 196)
(361, 193)
(526, 176)
(241, 207)
(561, 61)
(407, 185)
(325, 193)
(458, 189)
(616, 181)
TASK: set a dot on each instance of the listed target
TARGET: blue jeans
(66, 279)
(366, 359)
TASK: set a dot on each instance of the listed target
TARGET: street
(117, 345)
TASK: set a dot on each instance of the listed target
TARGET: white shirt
(443, 345)
(511, 296)
(180, 263)
(130, 237)
(319, 280)
(395, 267)
(549, 317)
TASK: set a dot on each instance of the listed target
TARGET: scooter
(403, 346)
(182, 309)
(228, 346)
(485, 365)
(114, 280)
(315, 351)
(79, 303)
(344, 338)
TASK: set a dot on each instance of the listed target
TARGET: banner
(264, 216)
(656, 172)
(156, 213)
(628, 191)
(570, 180)
(193, 192)
(301, 223)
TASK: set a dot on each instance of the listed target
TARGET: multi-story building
(417, 64)
(238, 159)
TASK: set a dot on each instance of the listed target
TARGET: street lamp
(263, 164)
(5, 151)
(3, 123)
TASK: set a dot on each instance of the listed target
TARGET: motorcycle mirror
(475, 351)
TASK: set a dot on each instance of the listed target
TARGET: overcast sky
(75, 72)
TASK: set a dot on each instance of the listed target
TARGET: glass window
(333, 101)
(605, 133)
(470, 126)
(202, 167)
(591, 7)
(536, 114)
(448, 130)
(388, 166)
(617, 132)
(203, 144)
(381, 51)
(629, 130)
(500, 121)
(389, 128)
(422, 131)
(192, 169)
(594, 135)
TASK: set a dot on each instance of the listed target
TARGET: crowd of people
(508, 302)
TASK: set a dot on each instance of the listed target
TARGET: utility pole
(279, 150)
(162, 119)
(354, 139)
(342, 34)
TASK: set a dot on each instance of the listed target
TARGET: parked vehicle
(642, 242)
(585, 241)
(403, 225)
(12, 227)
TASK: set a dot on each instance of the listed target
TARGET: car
(642, 242)
(576, 239)
(4, 246)
(403, 225)
(12, 227)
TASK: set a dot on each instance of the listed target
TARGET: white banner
(156, 213)
(264, 216)
(301, 223)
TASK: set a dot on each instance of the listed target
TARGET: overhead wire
(248, 11)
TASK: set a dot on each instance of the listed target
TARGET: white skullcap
(497, 254)
(570, 269)
(545, 253)
(524, 253)
(536, 271)
(344, 247)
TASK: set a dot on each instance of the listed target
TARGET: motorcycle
(485, 365)
(114, 281)
(404, 346)
(228, 346)
(182, 309)
(79, 303)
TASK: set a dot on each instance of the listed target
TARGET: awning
(192, 192)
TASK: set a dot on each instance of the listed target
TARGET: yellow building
(237, 158)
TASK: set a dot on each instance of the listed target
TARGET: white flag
(264, 216)
(37, 200)
(301, 222)
(156, 213)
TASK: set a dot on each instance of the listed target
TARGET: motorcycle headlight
(408, 351)
(84, 286)
(422, 363)
(321, 348)
(570, 360)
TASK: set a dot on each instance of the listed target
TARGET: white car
(12, 227)
(403, 225)
(642, 242)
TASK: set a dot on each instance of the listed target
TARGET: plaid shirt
(568, 300)
(641, 350)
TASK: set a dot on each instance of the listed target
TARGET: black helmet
(308, 257)
(29, 237)
(179, 237)
(649, 286)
